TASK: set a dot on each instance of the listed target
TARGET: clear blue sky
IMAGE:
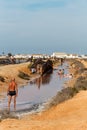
(43, 26)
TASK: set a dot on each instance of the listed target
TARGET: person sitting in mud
(12, 92)
(68, 76)
(61, 73)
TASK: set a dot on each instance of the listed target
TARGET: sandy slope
(9, 71)
(69, 115)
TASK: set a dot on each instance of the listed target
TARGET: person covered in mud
(12, 93)
(63, 71)
(68, 75)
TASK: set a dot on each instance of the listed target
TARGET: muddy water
(38, 91)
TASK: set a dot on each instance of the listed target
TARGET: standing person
(12, 92)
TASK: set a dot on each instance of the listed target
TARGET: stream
(33, 97)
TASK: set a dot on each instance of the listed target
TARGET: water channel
(37, 92)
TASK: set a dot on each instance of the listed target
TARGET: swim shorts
(12, 93)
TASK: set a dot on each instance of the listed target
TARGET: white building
(84, 56)
(40, 56)
(59, 55)
(72, 56)
(64, 55)
(24, 56)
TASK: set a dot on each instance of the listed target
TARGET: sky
(43, 26)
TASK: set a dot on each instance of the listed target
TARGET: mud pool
(34, 96)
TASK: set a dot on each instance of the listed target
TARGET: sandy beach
(68, 115)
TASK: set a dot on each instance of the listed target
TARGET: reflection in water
(38, 82)
(42, 80)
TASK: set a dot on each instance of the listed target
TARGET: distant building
(3, 56)
(35, 56)
(64, 55)
(71, 56)
(25, 56)
(84, 56)
(59, 55)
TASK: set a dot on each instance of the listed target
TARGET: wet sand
(68, 115)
